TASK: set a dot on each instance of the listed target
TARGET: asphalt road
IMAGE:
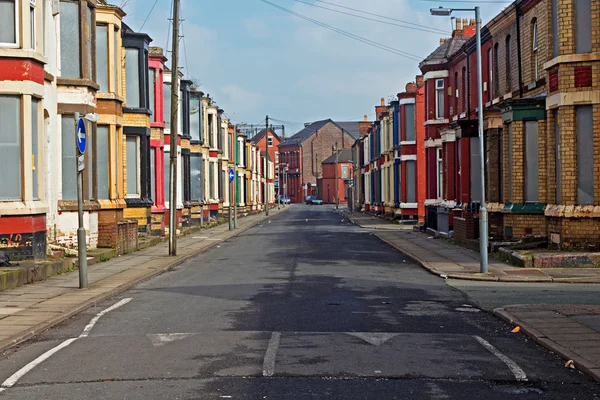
(305, 307)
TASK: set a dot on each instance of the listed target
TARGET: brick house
(274, 140)
(305, 151)
(342, 161)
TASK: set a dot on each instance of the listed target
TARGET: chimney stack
(411, 87)
(420, 81)
(458, 24)
(366, 118)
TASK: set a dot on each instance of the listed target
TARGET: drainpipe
(519, 60)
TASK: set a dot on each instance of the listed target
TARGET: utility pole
(173, 133)
(267, 171)
(337, 185)
(235, 180)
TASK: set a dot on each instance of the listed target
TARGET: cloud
(256, 27)
(239, 100)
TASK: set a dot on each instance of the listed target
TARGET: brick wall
(466, 226)
(122, 236)
(576, 233)
(524, 225)
(493, 166)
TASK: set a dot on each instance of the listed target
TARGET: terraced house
(541, 123)
(59, 58)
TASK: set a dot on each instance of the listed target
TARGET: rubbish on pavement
(570, 364)
(444, 276)
(517, 329)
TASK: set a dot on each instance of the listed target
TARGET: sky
(256, 60)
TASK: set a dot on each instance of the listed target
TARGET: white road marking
(161, 339)
(374, 338)
(514, 368)
(14, 378)
(199, 237)
(88, 328)
(269, 363)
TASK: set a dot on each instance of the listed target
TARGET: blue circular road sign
(231, 175)
(81, 137)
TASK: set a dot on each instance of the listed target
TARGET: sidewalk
(28, 310)
(571, 331)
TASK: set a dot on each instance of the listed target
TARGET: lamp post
(483, 216)
(80, 144)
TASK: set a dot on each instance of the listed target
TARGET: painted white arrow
(374, 338)
(161, 339)
(80, 136)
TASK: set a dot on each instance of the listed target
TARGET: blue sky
(254, 59)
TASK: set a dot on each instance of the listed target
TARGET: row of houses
(541, 89)
(58, 58)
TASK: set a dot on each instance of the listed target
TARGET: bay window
(151, 96)
(10, 148)
(132, 78)
(102, 57)
(77, 45)
(439, 98)
(196, 117)
(68, 154)
(32, 25)
(132, 149)
(103, 147)
(136, 73)
(167, 104)
(35, 153)
(153, 195)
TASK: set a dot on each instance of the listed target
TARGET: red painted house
(260, 140)
(342, 161)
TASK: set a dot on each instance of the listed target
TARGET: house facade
(342, 161)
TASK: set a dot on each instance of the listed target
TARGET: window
(410, 182)
(510, 163)
(439, 98)
(8, 23)
(440, 173)
(534, 45)
(583, 26)
(89, 160)
(103, 147)
(35, 155)
(270, 141)
(276, 158)
(153, 193)
(10, 147)
(70, 40)
(456, 94)
(211, 180)
(409, 122)
(554, 28)
(185, 178)
(496, 81)
(167, 176)
(490, 75)
(167, 104)
(531, 161)
(211, 139)
(508, 64)
(151, 90)
(69, 176)
(196, 176)
(557, 154)
(133, 166)
(464, 89)
(195, 117)
(585, 155)
(132, 78)
(32, 25)
(475, 168)
(102, 57)
(90, 48)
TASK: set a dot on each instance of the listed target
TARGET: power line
(348, 34)
(466, 1)
(148, 16)
(425, 29)
(169, 28)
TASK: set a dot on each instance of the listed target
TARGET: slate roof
(444, 51)
(352, 128)
(345, 156)
(257, 138)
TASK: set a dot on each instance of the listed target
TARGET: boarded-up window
(509, 166)
(151, 87)
(8, 32)
(410, 182)
(133, 166)
(196, 177)
(35, 159)
(10, 148)
(153, 174)
(195, 117)
(409, 121)
(70, 38)
(531, 161)
(554, 28)
(102, 57)
(583, 26)
(585, 155)
(167, 104)
(475, 170)
(132, 77)
(211, 180)
(103, 161)
(167, 176)
(69, 167)
(557, 154)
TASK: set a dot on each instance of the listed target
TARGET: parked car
(309, 199)
(317, 201)
(285, 200)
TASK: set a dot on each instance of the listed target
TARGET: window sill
(136, 110)
(77, 82)
(71, 205)
(15, 52)
(23, 207)
(112, 204)
(109, 96)
(138, 202)
(573, 211)
(571, 58)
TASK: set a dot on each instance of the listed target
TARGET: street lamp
(80, 145)
(483, 216)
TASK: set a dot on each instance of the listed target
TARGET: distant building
(342, 160)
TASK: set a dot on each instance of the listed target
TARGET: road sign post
(81, 144)
(231, 196)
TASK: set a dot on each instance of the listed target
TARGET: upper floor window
(464, 89)
(102, 57)
(583, 26)
(490, 75)
(496, 81)
(508, 64)
(167, 104)
(132, 78)
(439, 98)
(195, 117)
(409, 122)
(534, 47)
(270, 141)
(456, 93)
(9, 32)
(32, 24)
(554, 7)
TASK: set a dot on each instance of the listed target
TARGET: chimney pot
(458, 24)
(472, 21)
(382, 101)
(366, 118)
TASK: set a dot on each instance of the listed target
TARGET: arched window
(496, 80)
(534, 47)
(464, 89)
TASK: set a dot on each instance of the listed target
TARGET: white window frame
(439, 114)
(33, 25)
(439, 172)
(139, 168)
(535, 50)
(17, 29)
(270, 141)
